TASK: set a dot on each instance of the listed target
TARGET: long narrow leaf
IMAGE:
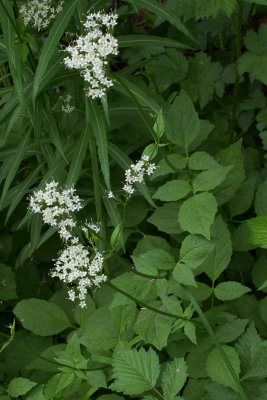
(16, 163)
(51, 125)
(99, 129)
(51, 43)
(147, 41)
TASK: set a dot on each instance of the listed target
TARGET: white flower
(89, 53)
(66, 106)
(74, 266)
(40, 12)
(56, 207)
(136, 173)
(111, 195)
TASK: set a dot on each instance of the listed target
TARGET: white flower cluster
(56, 207)
(66, 106)
(136, 173)
(40, 12)
(89, 54)
(74, 266)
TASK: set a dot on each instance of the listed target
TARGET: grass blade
(51, 43)
(147, 41)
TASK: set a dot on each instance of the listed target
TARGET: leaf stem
(216, 342)
(236, 86)
(158, 393)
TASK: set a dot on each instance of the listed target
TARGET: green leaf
(58, 383)
(134, 371)
(258, 231)
(41, 317)
(165, 218)
(7, 283)
(254, 60)
(159, 127)
(182, 273)
(153, 260)
(115, 237)
(261, 199)
(203, 78)
(232, 155)
(217, 370)
(163, 168)
(99, 129)
(220, 258)
(202, 161)
(37, 393)
(78, 157)
(96, 379)
(259, 273)
(182, 123)
(208, 180)
(51, 43)
(194, 250)
(153, 328)
(243, 198)
(196, 214)
(20, 386)
(231, 330)
(190, 331)
(172, 190)
(230, 290)
(174, 378)
(212, 8)
(149, 40)
(160, 10)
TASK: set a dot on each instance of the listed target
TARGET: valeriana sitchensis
(136, 173)
(74, 264)
(40, 13)
(90, 53)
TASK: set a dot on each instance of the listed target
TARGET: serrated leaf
(182, 123)
(196, 214)
(41, 317)
(20, 386)
(202, 161)
(174, 378)
(210, 179)
(165, 218)
(194, 250)
(172, 190)
(152, 260)
(230, 290)
(134, 371)
(182, 273)
(217, 370)
(257, 231)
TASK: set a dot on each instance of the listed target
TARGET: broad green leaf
(230, 290)
(243, 198)
(175, 161)
(160, 10)
(213, 8)
(217, 370)
(98, 126)
(153, 260)
(148, 40)
(253, 354)
(182, 273)
(7, 283)
(232, 155)
(210, 179)
(194, 250)
(51, 43)
(190, 331)
(172, 190)
(153, 328)
(203, 78)
(196, 214)
(202, 161)
(58, 383)
(158, 126)
(174, 378)
(165, 218)
(254, 60)
(182, 123)
(231, 330)
(134, 371)
(220, 258)
(96, 378)
(41, 317)
(78, 157)
(259, 273)
(37, 393)
(20, 386)
(257, 231)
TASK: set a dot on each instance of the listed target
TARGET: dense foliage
(180, 311)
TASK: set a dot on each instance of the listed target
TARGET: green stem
(31, 56)
(145, 305)
(216, 342)
(236, 86)
(158, 393)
